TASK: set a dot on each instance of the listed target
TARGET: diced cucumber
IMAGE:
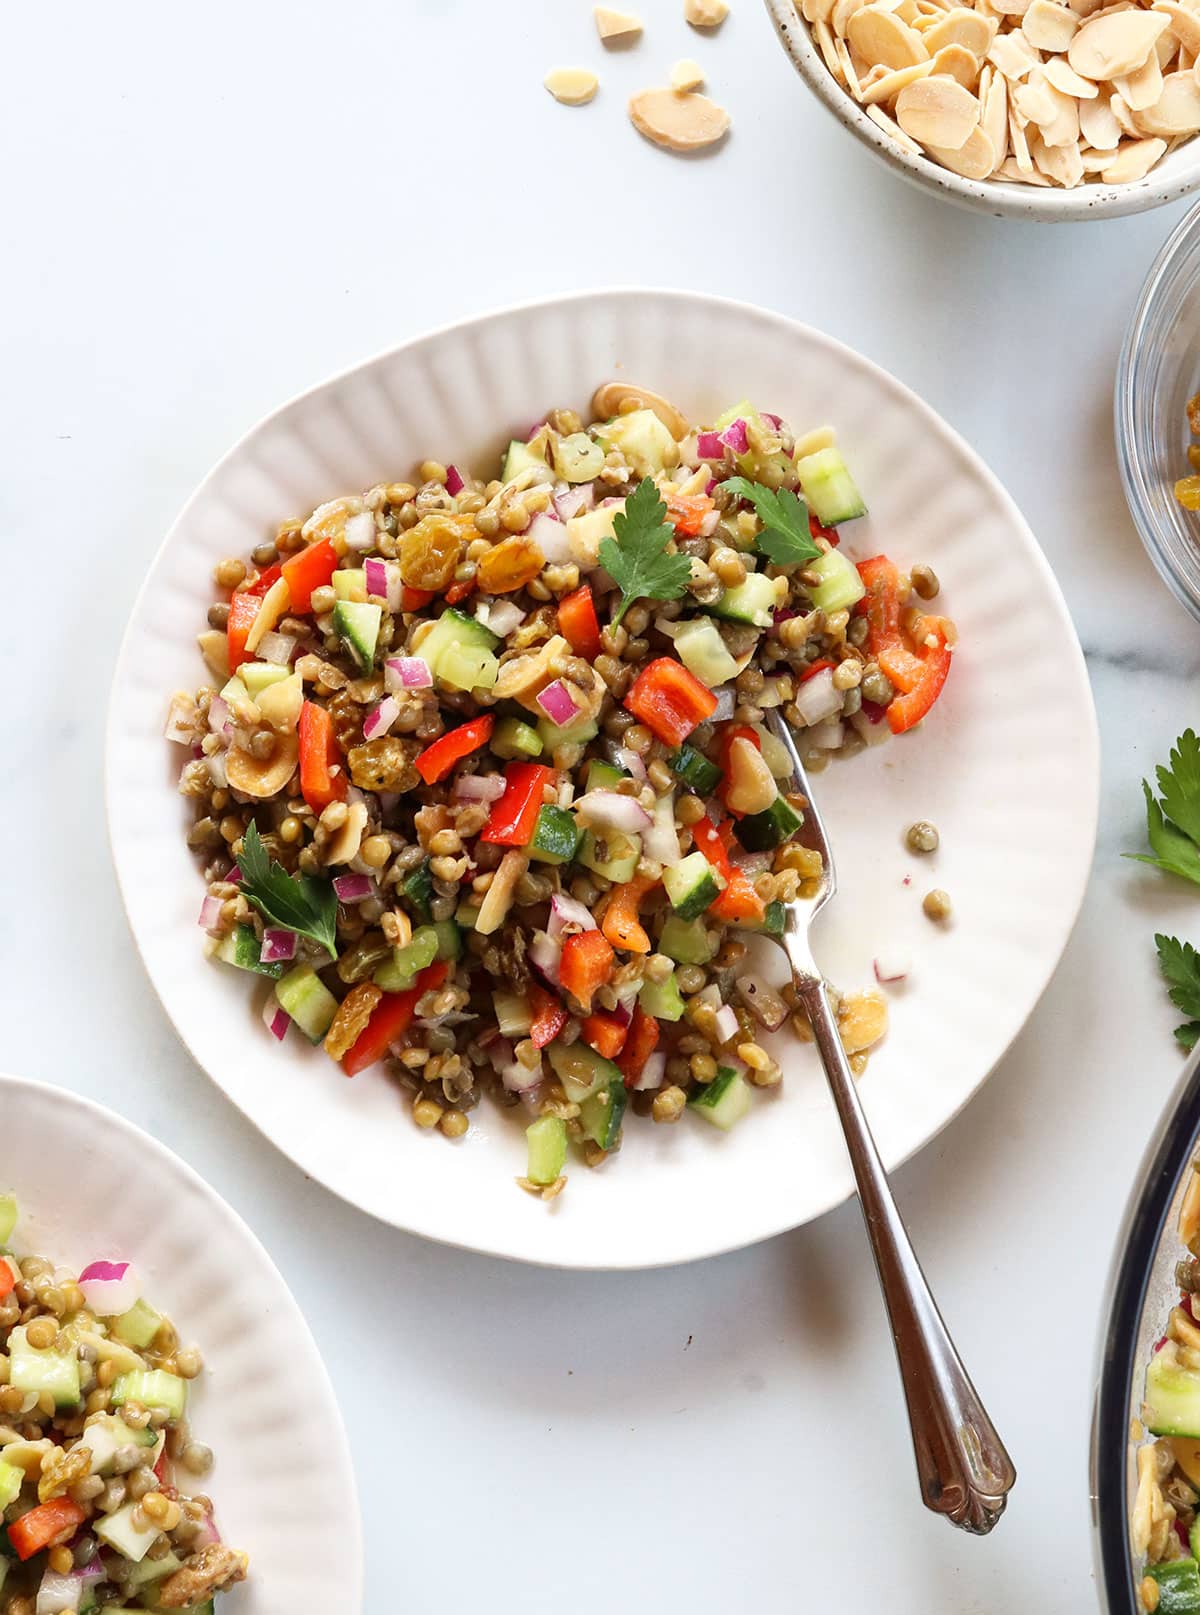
(1178, 1586)
(514, 739)
(119, 1531)
(522, 457)
(4, 1564)
(774, 921)
(703, 652)
(546, 1139)
(645, 443)
(8, 1217)
(418, 888)
(662, 999)
(725, 1100)
(449, 940)
(234, 691)
(11, 1481)
(829, 487)
(350, 583)
(306, 998)
(758, 832)
(242, 948)
(602, 776)
(105, 1437)
(601, 1114)
(463, 667)
(685, 941)
(454, 628)
(555, 836)
(581, 1070)
(576, 733)
(513, 1014)
(466, 914)
(692, 885)
(1172, 1398)
(259, 676)
(153, 1388)
(753, 601)
(578, 458)
(151, 1570)
(397, 974)
(32, 1370)
(358, 626)
(840, 587)
(615, 856)
(1194, 1538)
(139, 1325)
(694, 770)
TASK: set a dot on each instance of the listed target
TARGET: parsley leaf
(785, 538)
(636, 559)
(1188, 1034)
(305, 905)
(1173, 850)
(1180, 965)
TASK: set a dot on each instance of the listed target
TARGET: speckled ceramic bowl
(1177, 175)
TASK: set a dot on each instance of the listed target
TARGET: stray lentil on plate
(481, 783)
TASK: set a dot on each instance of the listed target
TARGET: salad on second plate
(481, 780)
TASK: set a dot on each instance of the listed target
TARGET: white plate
(90, 1185)
(1007, 768)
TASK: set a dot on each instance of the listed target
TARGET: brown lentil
(936, 904)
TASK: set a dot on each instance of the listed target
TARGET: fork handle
(963, 1468)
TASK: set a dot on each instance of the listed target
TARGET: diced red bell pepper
(729, 733)
(881, 603)
(390, 1019)
(458, 592)
(45, 1526)
(739, 901)
(414, 599)
(640, 1044)
(264, 581)
(436, 761)
(669, 700)
(588, 961)
(934, 662)
(322, 771)
(918, 671)
(514, 816)
(309, 569)
(813, 668)
(8, 1277)
(578, 623)
(547, 1017)
(819, 530)
(604, 1033)
(687, 512)
(243, 608)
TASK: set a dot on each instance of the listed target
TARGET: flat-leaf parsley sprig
(636, 558)
(785, 538)
(1173, 831)
(302, 904)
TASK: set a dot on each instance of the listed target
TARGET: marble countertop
(205, 212)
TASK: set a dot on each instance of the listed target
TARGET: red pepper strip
(514, 817)
(8, 1278)
(548, 1017)
(45, 1526)
(819, 530)
(739, 900)
(436, 761)
(309, 569)
(390, 1019)
(320, 756)
(414, 599)
(934, 661)
(669, 700)
(264, 581)
(885, 636)
(686, 512)
(604, 1033)
(729, 733)
(814, 668)
(621, 924)
(578, 623)
(243, 608)
(458, 592)
(588, 961)
(640, 1044)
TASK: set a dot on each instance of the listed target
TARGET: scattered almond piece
(937, 112)
(573, 86)
(705, 13)
(687, 75)
(679, 122)
(1014, 56)
(616, 26)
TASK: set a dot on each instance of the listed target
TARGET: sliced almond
(890, 127)
(1011, 8)
(839, 17)
(827, 45)
(1184, 23)
(888, 85)
(1166, 48)
(1049, 26)
(1185, 61)
(1019, 139)
(1014, 56)
(960, 27)
(262, 777)
(1116, 43)
(1010, 169)
(1064, 78)
(937, 112)
(1062, 164)
(616, 26)
(1123, 116)
(849, 71)
(705, 13)
(573, 86)
(958, 63)
(974, 159)
(994, 120)
(1063, 128)
(1143, 88)
(614, 398)
(1177, 110)
(687, 75)
(1133, 161)
(678, 122)
(1097, 124)
(1085, 8)
(878, 36)
(1036, 100)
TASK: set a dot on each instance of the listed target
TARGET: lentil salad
(482, 780)
(95, 1448)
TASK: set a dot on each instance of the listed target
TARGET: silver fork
(964, 1471)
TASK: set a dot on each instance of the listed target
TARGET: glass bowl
(1159, 371)
(1142, 1291)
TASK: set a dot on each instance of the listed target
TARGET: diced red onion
(479, 787)
(629, 760)
(109, 1288)
(816, 699)
(773, 421)
(550, 536)
(763, 1002)
(710, 446)
(875, 712)
(207, 1535)
(360, 531)
(710, 487)
(58, 1595)
(375, 573)
(235, 875)
(545, 955)
(216, 770)
(455, 482)
(499, 1048)
(566, 793)
(653, 1072)
(708, 523)
(753, 863)
(567, 911)
(734, 436)
(503, 617)
(782, 614)
(181, 724)
(726, 704)
(518, 1078)
(277, 648)
(353, 888)
(725, 1023)
(828, 735)
(661, 840)
(218, 714)
(574, 501)
(609, 810)
(406, 673)
(557, 702)
(892, 967)
(210, 913)
(710, 995)
(378, 721)
(668, 625)
(278, 945)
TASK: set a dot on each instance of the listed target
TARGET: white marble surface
(202, 213)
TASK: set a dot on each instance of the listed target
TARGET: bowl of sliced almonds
(1041, 109)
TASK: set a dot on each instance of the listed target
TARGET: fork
(962, 1466)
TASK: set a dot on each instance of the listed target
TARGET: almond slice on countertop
(678, 122)
(1143, 88)
(705, 13)
(1097, 124)
(1184, 22)
(1049, 26)
(1014, 56)
(1065, 79)
(878, 36)
(1062, 164)
(1133, 161)
(687, 75)
(890, 127)
(960, 27)
(958, 63)
(974, 159)
(615, 26)
(573, 86)
(888, 85)
(1116, 43)
(1177, 110)
(937, 112)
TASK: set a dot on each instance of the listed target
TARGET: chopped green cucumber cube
(259, 676)
(547, 1142)
(725, 1100)
(759, 832)
(751, 602)
(1178, 1586)
(662, 999)
(829, 487)
(358, 626)
(601, 1114)
(614, 854)
(1172, 1398)
(840, 587)
(350, 583)
(514, 739)
(703, 652)
(131, 1541)
(139, 1325)
(602, 776)
(692, 885)
(8, 1217)
(685, 941)
(418, 888)
(242, 948)
(555, 836)
(398, 973)
(32, 1370)
(153, 1388)
(305, 997)
(694, 770)
(581, 1070)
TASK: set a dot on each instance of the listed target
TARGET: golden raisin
(1193, 414)
(510, 565)
(62, 1469)
(1194, 456)
(353, 1013)
(1187, 492)
(385, 764)
(430, 550)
